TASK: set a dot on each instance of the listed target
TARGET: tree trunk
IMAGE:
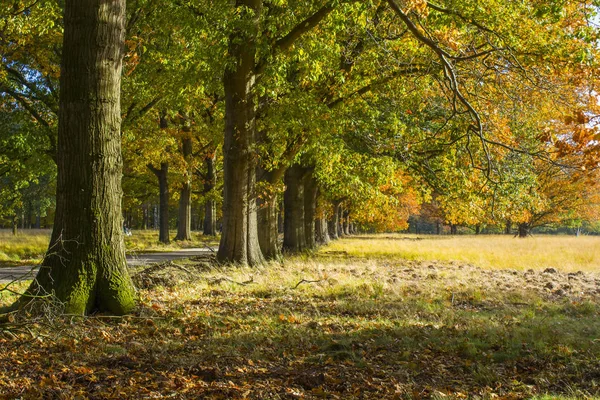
(145, 213)
(310, 208)
(524, 230)
(453, 229)
(332, 227)
(15, 224)
(340, 221)
(280, 218)
(508, 227)
(239, 239)
(346, 223)
(294, 239)
(322, 231)
(477, 229)
(268, 235)
(184, 220)
(268, 214)
(210, 206)
(334, 222)
(163, 188)
(85, 265)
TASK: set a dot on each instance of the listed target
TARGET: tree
(239, 240)
(85, 265)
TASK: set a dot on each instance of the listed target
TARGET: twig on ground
(208, 247)
(182, 268)
(226, 279)
(306, 281)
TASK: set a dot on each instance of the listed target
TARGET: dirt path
(10, 274)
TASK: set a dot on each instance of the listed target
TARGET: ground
(352, 321)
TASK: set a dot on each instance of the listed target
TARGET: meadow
(356, 320)
(567, 253)
(28, 246)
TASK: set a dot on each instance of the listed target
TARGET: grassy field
(28, 246)
(567, 253)
(332, 325)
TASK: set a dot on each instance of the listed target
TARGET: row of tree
(334, 111)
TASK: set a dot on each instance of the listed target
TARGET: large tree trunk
(85, 265)
(210, 206)
(294, 239)
(184, 220)
(310, 208)
(508, 227)
(163, 188)
(239, 240)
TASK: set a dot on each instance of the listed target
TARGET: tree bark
(346, 224)
(85, 264)
(322, 233)
(340, 221)
(184, 220)
(210, 206)
(453, 229)
(310, 208)
(163, 188)
(15, 224)
(508, 227)
(294, 239)
(268, 214)
(524, 230)
(333, 223)
(239, 239)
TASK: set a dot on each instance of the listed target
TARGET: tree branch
(283, 44)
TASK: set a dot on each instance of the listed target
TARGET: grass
(567, 253)
(29, 246)
(323, 326)
(25, 247)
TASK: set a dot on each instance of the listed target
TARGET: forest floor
(339, 324)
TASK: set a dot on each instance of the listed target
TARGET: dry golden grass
(566, 253)
(26, 246)
(29, 246)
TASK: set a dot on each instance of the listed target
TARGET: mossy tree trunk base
(85, 267)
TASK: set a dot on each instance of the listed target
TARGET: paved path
(10, 274)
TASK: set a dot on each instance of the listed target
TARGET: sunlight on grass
(29, 246)
(26, 246)
(567, 253)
